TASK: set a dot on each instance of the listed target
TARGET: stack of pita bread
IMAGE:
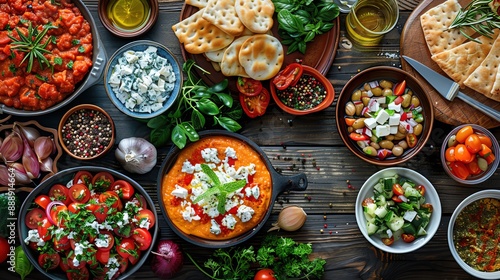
(234, 35)
(469, 63)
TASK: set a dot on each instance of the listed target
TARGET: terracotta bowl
(67, 136)
(112, 27)
(452, 168)
(377, 74)
(327, 101)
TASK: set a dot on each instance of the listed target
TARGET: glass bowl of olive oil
(128, 18)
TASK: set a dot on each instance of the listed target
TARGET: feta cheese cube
(394, 119)
(382, 117)
(371, 123)
(382, 130)
(394, 129)
(393, 106)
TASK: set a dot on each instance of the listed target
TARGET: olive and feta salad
(142, 80)
(397, 210)
(384, 118)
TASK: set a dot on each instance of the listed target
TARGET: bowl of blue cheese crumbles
(143, 79)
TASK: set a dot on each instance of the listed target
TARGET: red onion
(47, 210)
(167, 260)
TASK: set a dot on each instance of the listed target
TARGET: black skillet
(280, 184)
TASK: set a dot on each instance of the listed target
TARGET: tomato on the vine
(255, 106)
(264, 274)
(248, 86)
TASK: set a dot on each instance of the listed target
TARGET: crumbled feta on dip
(142, 80)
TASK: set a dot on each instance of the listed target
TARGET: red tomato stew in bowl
(45, 50)
(94, 226)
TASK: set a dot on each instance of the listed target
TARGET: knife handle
(480, 106)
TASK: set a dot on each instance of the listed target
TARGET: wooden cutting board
(451, 112)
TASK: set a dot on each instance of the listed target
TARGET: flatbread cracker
(483, 78)
(262, 56)
(256, 15)
(199, 36)
(435, 23)
(215, 56)
(230, 64)
(197, 3)
(222, 14)
(461, 61)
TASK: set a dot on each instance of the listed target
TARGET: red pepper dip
(61, 37)
(477, 234)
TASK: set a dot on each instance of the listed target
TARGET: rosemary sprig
(479, 16)
(32, 46)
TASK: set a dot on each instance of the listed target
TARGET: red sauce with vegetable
(67, 47)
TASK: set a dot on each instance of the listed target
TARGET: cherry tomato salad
(93, 227)
(397, 210)
(469, 153)
(384, 118)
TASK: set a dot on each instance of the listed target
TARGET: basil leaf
(23, 265)
(326, 27)
(160, 136)
(157, 122)
(226, 99)
(302, 47)
(190, 132)
(219, 87)
(328, 12)
(178, 137)
(229, 124)
(287, 21)
(202, 93)
(197, 120)
(207, 106)
(309, 37)
(235, 113)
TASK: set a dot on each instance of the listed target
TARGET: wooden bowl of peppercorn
(312, 92)
(86, 132)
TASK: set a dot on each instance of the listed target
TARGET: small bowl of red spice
(86, 132)
(300, 90)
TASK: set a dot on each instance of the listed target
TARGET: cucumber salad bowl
(398, 210)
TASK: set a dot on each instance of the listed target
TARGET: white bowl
(460, 207)
(431, 196)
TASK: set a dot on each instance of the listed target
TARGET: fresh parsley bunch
(197, 107)
(299, 21)
(287, 258)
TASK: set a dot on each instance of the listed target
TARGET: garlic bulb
(136, 155)
(291, 218)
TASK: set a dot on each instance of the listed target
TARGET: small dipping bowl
(128, 18)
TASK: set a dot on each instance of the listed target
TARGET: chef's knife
(448, 88)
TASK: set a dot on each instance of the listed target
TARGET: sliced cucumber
(371, 228)
(381, 211)
(396, 223)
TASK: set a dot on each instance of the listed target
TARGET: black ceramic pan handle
(297, 182)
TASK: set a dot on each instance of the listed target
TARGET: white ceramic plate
(431, 196)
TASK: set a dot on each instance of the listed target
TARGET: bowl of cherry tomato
(384, 116)
(87, 222)
(300, 89)
(470, 154)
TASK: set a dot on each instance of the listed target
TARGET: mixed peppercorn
(306, 94)
(87, 133)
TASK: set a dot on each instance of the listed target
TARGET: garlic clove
(4, 175)
(43, 147)
(20, 176)
(29, 132)
(29, 159)
(291, 218)
(12, 148)
(46, 164)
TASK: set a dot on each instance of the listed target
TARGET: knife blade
(448, 88)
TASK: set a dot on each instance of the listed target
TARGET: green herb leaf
(23, 265)
(157, 122)
(219, 87)
(207, 106)
(190, 132)
(229, 124)
(226, 99)
(178, 136)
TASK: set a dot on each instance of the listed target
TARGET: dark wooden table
(312, 137)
